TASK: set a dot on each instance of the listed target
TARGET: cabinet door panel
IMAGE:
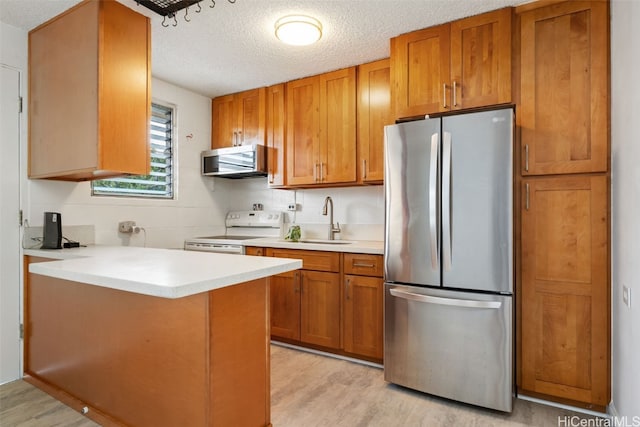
(251, 116)
(564, 84)
(565, 288)
(481, 59)
(303, 127)
(420, 68)
(363, 315)
(374, 112)
(276, 131)
(320, 308)
(285, 305)
(223, 122)
(338, 126)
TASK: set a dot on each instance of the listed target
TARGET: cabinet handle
(444, 95)
(321, 171)
(455, 97)
(315, 172)
(360, 264)
(297, 284)
(526, 201)
(239, 137)
(271, 177)
(364, 168)
(346, 288)
(526, 157)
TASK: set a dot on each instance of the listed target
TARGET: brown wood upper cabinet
(462, 64)
(565, 289)
(89, 93)
(564, 88)
(239, 119)
(374, 112)
(321, 129)
(276, 131)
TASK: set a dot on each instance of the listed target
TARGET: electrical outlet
(626, 296)
(292, 207)
(126, 226)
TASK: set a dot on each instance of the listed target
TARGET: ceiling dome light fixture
(298, 30)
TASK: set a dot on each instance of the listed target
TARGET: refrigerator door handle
(445, 301)
(433, 197)
(446, 201)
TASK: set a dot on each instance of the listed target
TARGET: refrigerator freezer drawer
(457, 345)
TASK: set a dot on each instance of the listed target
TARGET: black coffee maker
(52, 231)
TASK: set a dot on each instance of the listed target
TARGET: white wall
(625, 218)
(197, 210)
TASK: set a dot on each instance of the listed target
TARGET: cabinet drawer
(311, 260)
(253, 250)
(363, 264)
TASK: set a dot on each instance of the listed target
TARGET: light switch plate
(626, 296)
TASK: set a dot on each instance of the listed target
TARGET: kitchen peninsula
(151, 337)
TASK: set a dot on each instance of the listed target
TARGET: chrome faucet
(332, 230)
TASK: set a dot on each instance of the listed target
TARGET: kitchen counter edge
(165, 273)
(374, 247)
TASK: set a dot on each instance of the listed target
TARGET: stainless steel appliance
(449, 257)
(235, 162)
(241, 228)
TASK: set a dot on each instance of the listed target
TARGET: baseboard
(324, 353)
(563, 406)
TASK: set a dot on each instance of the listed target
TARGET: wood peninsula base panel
(138, 360)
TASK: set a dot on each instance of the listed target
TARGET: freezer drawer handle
(445, 301)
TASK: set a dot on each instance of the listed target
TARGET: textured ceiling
(232, 47)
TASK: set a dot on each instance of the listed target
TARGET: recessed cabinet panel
(276, 131)
(565, 288)
(303, 125)
(420, 67)
(481, 60)
(374, 113)
(564, 85)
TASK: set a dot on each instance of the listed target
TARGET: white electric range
(241, 228)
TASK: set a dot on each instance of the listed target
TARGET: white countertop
(349, 246)
(166, 273)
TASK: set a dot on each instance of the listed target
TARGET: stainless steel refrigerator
(449, 257)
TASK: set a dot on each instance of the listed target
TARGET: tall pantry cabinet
(563, 119)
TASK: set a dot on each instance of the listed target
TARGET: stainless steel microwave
(235, 162)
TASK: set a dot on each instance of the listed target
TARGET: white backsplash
(359, 210)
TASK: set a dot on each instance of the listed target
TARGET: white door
(10, 299)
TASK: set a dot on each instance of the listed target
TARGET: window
(159, 183)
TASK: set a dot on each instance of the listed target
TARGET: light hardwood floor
(310, 390)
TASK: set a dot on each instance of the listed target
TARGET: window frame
(172, 176)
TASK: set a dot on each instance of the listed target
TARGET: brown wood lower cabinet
(334, 303)
(139, 360)
(565, 291)
(363, 315)
(320, 308)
